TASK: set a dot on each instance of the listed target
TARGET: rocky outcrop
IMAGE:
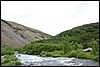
(16, 35)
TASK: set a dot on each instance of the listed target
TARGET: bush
(7, 51)
(48, 54)
(7, 60)
(8, 64)
(96, 58)
(82, 55)
(57, 53)
(17, 63)
(14, 59)
(73, 54)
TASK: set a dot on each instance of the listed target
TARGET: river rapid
(35, 60)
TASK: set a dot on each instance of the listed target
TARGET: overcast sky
(51, 17)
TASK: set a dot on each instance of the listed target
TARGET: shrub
(17, 63)
(14, 59)
(8, 64)
(7, 60)
(82, 55)
(57, 53)
(48, 54)
(96, 58)
(72, 54)
(7, 51)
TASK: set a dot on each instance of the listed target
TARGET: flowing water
(34, 60)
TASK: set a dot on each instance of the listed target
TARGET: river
(35, 60)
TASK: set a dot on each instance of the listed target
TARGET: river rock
(87, 50)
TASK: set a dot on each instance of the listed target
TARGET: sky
(51, 17)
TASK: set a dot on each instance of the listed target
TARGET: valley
(69, 43)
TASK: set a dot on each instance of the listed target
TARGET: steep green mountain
(16, 35)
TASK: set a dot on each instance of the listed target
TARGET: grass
(52, 54)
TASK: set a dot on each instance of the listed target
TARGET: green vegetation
(59, 50)
(10, 60)
(7, 51)
(78, 38)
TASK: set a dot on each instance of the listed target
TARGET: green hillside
(81, 34)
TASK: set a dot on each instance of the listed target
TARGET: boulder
(87, 50)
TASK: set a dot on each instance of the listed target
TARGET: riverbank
(81, 55)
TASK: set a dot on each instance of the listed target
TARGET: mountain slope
(16, 35)
(81, 34)
(80, 30)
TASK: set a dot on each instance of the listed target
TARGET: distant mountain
(16, 35)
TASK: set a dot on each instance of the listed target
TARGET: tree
(95, 46)
(66, 47)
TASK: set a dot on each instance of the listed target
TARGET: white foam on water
(80, 64)
(72, 58)
(28, 58)
(31, 59)
(69, 64)
(63, 61)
